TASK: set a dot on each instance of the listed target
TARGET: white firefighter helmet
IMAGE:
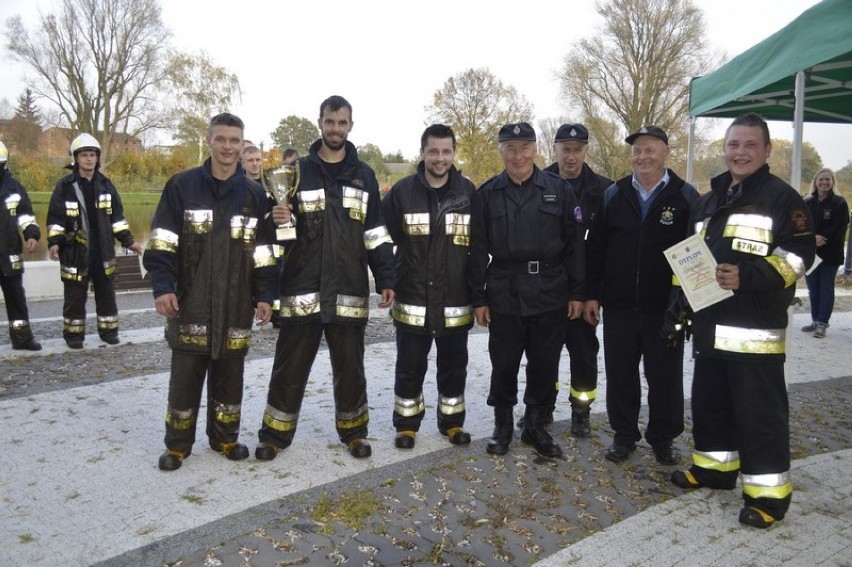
(84, 142)
(4, 153)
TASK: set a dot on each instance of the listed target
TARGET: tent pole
(690, 151)
(798, 120)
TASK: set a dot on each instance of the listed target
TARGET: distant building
(53, 142)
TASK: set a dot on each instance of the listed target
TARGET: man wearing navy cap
(570, 146)
(627, 273)
(527, 221)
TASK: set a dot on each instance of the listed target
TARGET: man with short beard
(325, 284)
(428, 216)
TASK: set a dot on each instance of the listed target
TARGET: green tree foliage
(781, 159)
(372, 156)
(711, 162)
(36, 173)
(635, 70)
(198, 90)
(476, 104)
(97, 62)
(295, 132)
(844, 181)
(25, 127)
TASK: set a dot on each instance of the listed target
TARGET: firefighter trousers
(742, 407)
(412, 351)
(224, 399)
(582, 343)
(20, 331)
(74, 307)
(295, 352)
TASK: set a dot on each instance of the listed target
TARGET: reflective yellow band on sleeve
(414, 315)
(162, 239)
(264, 256)
(375, 237)
(792, 262)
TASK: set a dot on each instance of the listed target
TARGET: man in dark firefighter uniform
(84, 217)
(251, 159)
(571, 146)
(210, 267)
(16, 217)
(760, 233)
(627, 274)
(325, 285)
(428, 217)
(527, 221)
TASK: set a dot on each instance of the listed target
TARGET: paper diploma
(695, 268)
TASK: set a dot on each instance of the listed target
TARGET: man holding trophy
(325, 285)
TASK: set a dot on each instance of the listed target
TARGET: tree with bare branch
(635, 71)
(198, 89)
(97, 62)
(475, 104)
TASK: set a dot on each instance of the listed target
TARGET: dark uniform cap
(519, 131)
(654, 131)
(572, 132)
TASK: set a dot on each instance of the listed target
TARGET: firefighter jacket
(432, 241)
(589, 189)
(66, 227)
(831, 218)
(626, 269)
(339, 231)
(206, 248)
(766, 230)
(16, 217)
(535, 244)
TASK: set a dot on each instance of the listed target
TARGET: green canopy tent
(802, 73)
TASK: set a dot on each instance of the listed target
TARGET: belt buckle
(532, 267)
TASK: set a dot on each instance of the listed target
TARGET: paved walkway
(80, 485)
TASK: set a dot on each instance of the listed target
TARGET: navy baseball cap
(519, 131)
(572, 132)
(654, 131)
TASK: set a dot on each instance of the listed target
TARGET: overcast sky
(388, 57)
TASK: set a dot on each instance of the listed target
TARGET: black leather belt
(525, 266)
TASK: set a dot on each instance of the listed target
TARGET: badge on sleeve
(799, 218)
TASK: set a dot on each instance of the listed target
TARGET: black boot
(548, 419)
(503, 431)
(580, 426)
(536, 435)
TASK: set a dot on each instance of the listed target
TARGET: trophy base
(285, 232)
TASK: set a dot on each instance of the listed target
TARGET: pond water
(138, 216)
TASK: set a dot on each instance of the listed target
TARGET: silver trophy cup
(285, 181)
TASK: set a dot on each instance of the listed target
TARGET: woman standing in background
(831, 218)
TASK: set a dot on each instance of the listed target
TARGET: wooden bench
(127, 273)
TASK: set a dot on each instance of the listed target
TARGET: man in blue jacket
(627, 274)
